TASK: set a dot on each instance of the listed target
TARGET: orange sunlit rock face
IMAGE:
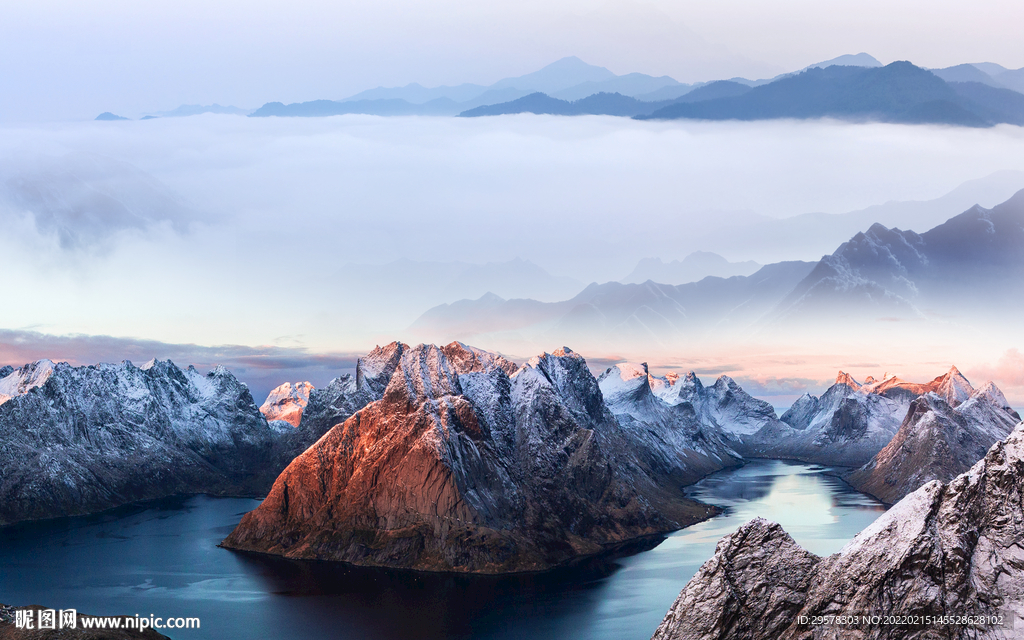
(287, 402)
(470, 463)
(952, 386)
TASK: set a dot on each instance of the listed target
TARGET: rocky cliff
(468, 463)
(943, 550)
(75, 440)
(936, 441)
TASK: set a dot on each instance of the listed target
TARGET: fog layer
(219, 230)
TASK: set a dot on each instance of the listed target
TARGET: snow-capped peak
(847, 379)
(622, 379)
(20, 381)
(953, 387)
(287, 402)
(990, 391)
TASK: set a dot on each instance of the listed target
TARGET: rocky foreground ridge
(944, 550)
(470, 463)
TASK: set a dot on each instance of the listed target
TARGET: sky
(69, 60)
(212, 236)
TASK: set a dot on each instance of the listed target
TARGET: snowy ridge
(680, 438)
(81, 439)
(724, 405)
(851, 421)
(937, 440)
(19, 381)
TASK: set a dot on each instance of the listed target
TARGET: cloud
(1007, 371)
(233, 230)
(85, 199)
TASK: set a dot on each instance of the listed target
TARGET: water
(162, 559)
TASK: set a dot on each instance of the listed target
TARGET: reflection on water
(162, 559)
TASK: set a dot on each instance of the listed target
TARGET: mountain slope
(851, 422)
(938, 440)
(462, 467)
(76, 440)
(693, 268)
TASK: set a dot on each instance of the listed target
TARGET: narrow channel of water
(162, 559)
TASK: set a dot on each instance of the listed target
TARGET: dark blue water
(162, 559)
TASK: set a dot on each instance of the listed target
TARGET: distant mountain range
(899, 92)
(969, 260)
(972, 261)
(198, 109)
(970, 94)
(606, 104)
(694, 267)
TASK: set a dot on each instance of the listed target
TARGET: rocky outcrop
(937, 441)
(944, 550)
(10, 631)
(850, 422)
(286, 403)
(679, 440)
(76, 440)
(469, 464)
(723, 600)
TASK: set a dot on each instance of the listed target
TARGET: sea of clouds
(225, 230)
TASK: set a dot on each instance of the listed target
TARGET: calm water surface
(162, 559)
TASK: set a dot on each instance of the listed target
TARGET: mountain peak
(560, 74)
(569, 62)
(848, 60)
(287, 402)
(847, 379)
(21, 381)
(952, 387)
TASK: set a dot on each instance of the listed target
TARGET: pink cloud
(1009, 370)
